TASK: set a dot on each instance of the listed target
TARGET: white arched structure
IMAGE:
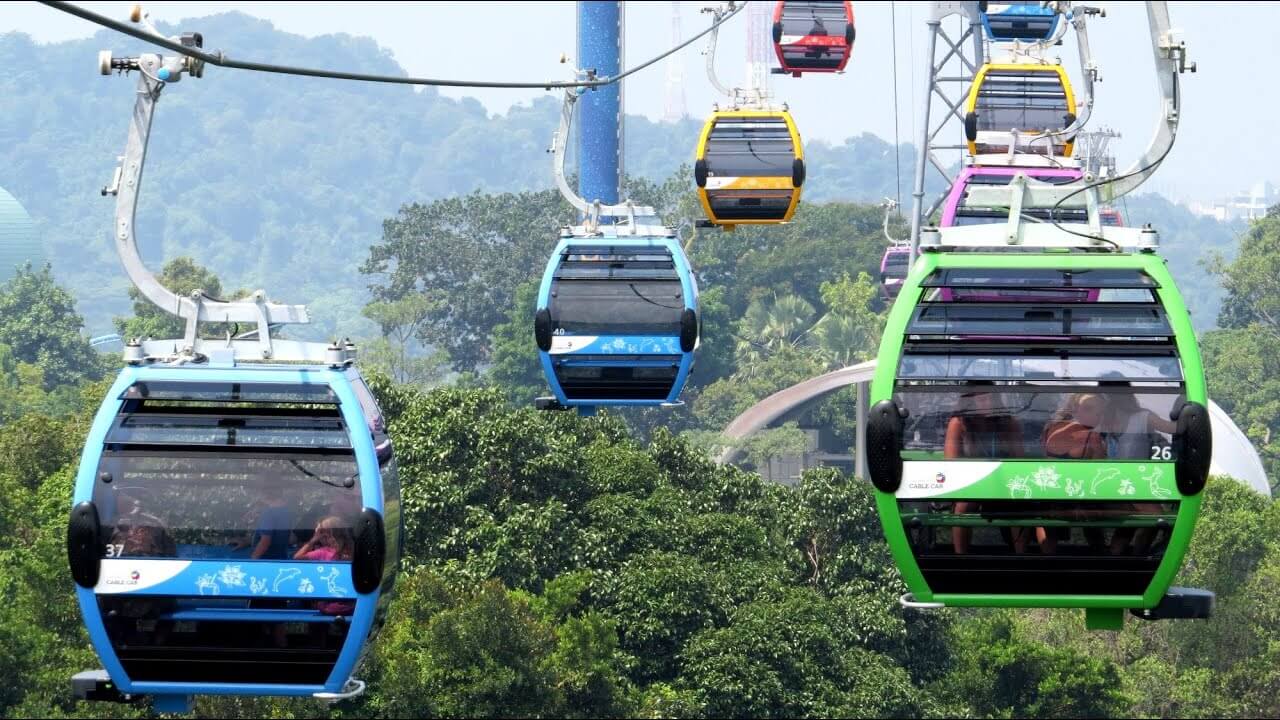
(1233, 454)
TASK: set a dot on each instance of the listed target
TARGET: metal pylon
(947, 80)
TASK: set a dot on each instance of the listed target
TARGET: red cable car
(813, 35)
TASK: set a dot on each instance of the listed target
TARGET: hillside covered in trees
(283, 183)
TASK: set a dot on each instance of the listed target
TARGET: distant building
(1249, 205)
(19, 243)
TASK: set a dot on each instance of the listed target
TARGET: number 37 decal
(115, 550)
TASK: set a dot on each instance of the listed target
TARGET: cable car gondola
(1039, 434)
(1111, 217)
(957, 211)
(749, 167)
(617, 319)
(1025, 21)
(894, 265)
(813, 36)
(1030, 99)
(234, 531)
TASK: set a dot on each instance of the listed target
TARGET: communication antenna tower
(674, 109)
(759, 47)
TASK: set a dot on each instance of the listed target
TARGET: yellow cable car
(749, 168)
(1033, 99)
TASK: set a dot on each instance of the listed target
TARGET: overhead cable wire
(220, 59)
(897, 151)
(1053, 213)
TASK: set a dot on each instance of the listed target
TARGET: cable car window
(1002, 422)
(750, 147)
(1038, 320)
(582, 263)
(586, 307)
(1080, 547)
(1039, 295)
(749, 204)
(231, 392)
(212, 506)
(897, 261)
(998, 179)
(800, 57)
(1038, 277)
(392, 523)
(986, 216)
(248, 431)
(813, 18)
(1027, 101)
(921, 365)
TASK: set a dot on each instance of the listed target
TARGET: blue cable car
(234, 531)
(617, 319)
(1025, 21)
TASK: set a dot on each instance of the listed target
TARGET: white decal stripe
(116, 576)
(923, 479)
(561, 344)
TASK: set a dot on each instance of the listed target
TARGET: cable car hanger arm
(1088, 70)
(593, 210)
(221, 60)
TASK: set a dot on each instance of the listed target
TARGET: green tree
(1002, 673)
(398, 353)
(40, 327)
(182, 276)
(469, 254)
(515, 367)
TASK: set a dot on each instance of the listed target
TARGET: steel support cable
(221, 60)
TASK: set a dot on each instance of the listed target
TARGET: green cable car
(1039, 433)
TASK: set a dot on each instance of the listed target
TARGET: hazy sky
(1226, 142)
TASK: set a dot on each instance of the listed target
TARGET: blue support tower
(600, 109)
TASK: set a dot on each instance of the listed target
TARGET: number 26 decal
(1161, 452)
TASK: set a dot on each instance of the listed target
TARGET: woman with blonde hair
(331, 541)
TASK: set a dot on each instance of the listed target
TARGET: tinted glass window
(229, 430)
(585, 263)
(1039, 295)
(750, 147)
(619, 307)
(897, 261)
(1038, 277)
(210, 505)
(1000, 179)
(750, 204)
(231, 392)
(1028, 101)
(1029, 320)
(1038, 422)
(814, 18)
(986, 216)
(919, 365)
